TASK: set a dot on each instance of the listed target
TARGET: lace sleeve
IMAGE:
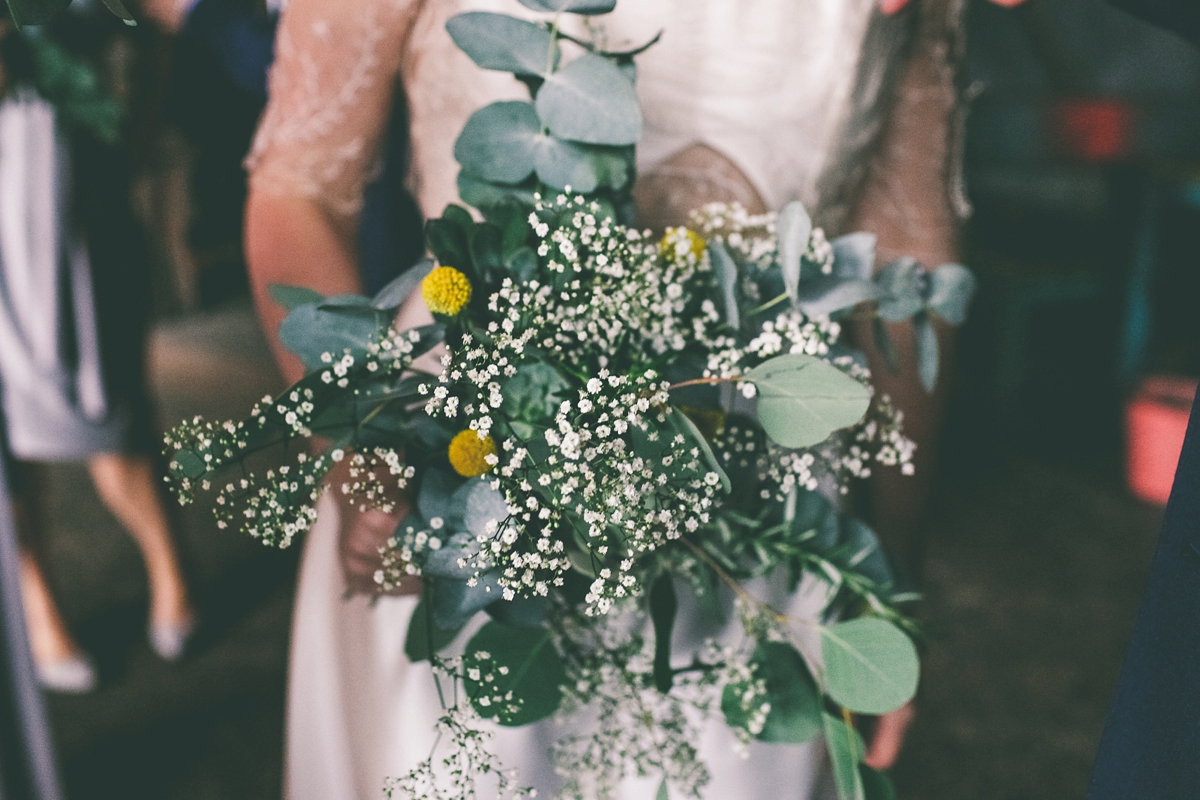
(912, 197)
(331, 92)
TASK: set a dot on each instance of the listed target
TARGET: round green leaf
(590, 101)
(561, 164)
(526, 672)
(871, 666)
(499, 142)
(572, 6)
(483, 194)
(951, 288)
(902, 297)
(503, 43)
(795, 715)
(802, 399)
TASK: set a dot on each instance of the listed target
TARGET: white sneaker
(170, 639)
(69, 675)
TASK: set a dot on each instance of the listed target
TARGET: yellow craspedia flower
(469, 453)
(446, 291)
(678, 242)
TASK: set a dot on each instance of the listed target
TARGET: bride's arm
(331, 93)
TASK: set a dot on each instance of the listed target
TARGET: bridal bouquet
(604, 433)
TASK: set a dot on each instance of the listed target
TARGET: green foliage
(684, 424)
(292, 297)
(876, 785)
(727, 274)
(424, 638)
(793, 228)
(334, 326)
(854, 256)
(928, 355)
(499, 142)
(590, 100)
(871, 666)
(532, 671)
(795, 713)
(587, 7)
(71, 85)
(845, 751)
(504, 43)
(951, 287)
(802, 399)
(663, 606)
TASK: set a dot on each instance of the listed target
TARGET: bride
(830, 102)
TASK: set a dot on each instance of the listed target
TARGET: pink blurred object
(1156, 420)
(1093, 129)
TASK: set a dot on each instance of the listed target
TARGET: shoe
(68, 675)
(170, 639)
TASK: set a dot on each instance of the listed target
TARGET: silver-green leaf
(560, 164)
(951, 288)
(504, 43)
(793, 227)
(499, 142)
(871, 666)
(590, 100)
(802, 399)
(572, 6)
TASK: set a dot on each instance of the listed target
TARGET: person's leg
(128, 485)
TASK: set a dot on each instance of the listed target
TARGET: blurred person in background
(354, 716)
(74, 303)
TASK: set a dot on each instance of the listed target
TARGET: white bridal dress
(762, 101)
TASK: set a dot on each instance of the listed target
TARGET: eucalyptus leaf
(573, 6)
(684, 424)
(504, 43)
(591, 101)
(727, 275)
(802, 399)
(522, 263)
(424, 637)
(456, 601)
(854, 256)
(118, 8)
(883, 343)
(533, 672)
(484, 506)
(792, 228)
(825, 295)
(486, 195)
(560, 164)
(311, 330)
(871, 666)
(951, 288)
(486, 247)
(520, 612)
(928, 354)
(663, 793)
(899, 280)
(445, 561)
(499, 142)
(795, 715)
(433, 498)
(292, 297)
(534, 393)
(845, 751)
(663, 606)
(398, 291)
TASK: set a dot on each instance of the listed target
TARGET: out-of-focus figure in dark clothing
(74, 304)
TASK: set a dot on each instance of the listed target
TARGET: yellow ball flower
(677, 242)
(468, 453)
(446, 291)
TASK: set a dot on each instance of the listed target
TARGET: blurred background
(1083, 166)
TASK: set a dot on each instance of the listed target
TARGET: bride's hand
(888, 738)
(360, 535)
(892, 6)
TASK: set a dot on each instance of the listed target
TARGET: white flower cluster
(366, 483)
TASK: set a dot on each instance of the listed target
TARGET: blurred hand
(360, 535)
(890, 730)
(892, 6)
(168, 14)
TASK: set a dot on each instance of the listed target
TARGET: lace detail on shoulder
(331, 92)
